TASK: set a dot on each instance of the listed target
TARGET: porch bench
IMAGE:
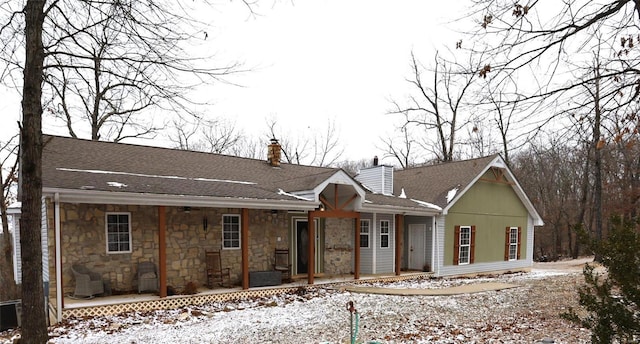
(264, 278)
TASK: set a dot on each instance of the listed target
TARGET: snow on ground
(319, 315)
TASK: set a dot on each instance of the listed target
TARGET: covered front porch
(109, 305)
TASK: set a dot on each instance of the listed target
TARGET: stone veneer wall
(338, 247)
(83, 241)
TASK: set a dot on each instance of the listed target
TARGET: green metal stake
(353, 312)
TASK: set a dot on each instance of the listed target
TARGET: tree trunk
(597, 161)
(34, 325)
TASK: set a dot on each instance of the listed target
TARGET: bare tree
(319, 149)
(401, 148)
(111, 66)
(34, 330)
(142, 38)
(438, 106)
(212, 136)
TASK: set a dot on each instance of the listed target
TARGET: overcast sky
(314, 61)
(332, 60)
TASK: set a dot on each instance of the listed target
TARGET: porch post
(162, 243)
(356, 272)
(398, 243)
(244, 244)
(311, 266)
(58, 244)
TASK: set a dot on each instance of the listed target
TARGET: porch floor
(299, 281)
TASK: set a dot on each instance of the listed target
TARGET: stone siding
(338, 247)
(84, 242)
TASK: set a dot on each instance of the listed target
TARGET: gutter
(128, 198)
(385, 209)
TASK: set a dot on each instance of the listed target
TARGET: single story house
(109, 206)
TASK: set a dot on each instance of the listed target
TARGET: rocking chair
(282, 263)
(215, 272)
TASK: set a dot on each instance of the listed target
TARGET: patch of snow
(402, 194)
(427, 204)
(451, 194)
(154, 176)
(284, 193)
(367, 188)
(117, 185)
(316, 314)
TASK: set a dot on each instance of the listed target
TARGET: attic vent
(274, 152)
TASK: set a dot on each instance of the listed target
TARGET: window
(464, 245)
(118, 232)
(512, 243)
(384, 233)
(364, 233)
(230, 231)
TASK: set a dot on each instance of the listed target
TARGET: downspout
(59, 286)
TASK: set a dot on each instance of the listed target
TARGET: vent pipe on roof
(375, 160)
(274, 153)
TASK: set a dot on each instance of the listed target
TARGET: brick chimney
(274, 151)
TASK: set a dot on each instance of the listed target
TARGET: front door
(301, 231)
(417, 234)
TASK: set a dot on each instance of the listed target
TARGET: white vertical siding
(428, 242)
(17, 256)
(387, 178)
(439, 247)
(378, 179)
(385, 257)
(366, 254)
(44, 238)
(530, 237)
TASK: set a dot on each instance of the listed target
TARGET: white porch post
(58, 263)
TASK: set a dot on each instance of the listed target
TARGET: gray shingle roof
(432, 183)
(104, 166)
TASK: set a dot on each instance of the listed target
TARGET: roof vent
(274, 153)
(375, 160)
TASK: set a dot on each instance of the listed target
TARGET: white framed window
(118, 232)
(230, 231)
(384, 233)
(464, 253)
(365, 230)
(513, 243)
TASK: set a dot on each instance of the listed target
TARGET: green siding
(491, 207)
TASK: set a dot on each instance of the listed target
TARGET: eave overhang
(128, 198)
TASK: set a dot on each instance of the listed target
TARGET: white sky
(314, 61)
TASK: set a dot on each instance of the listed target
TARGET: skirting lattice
(174, 302)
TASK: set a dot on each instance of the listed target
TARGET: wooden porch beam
(348, 201)
(311, 266)
(326, 203)
(336, 214)
(335, 196)
(162, 250)
(244, 235)
(399, 239)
